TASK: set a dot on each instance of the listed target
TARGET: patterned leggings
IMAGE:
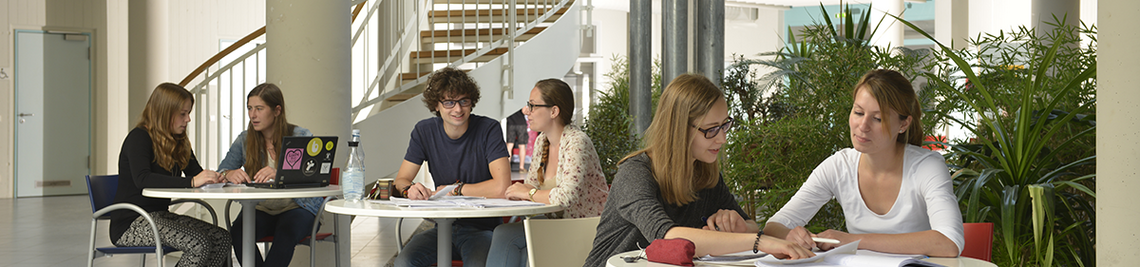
(201, 243)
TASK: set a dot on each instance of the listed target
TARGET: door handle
(26, 115)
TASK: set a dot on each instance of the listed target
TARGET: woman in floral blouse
(568, 172)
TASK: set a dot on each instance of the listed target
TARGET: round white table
(443, 217)
(248, 198)
(617, 261)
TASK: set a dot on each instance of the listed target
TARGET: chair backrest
(562, 242)
(101, 190)
(979, 240)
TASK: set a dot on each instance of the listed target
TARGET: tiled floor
(54, 231)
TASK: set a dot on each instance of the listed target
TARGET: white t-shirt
(926, 197)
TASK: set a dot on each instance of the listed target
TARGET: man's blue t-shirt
(465, 159)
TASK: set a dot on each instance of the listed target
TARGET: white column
(308, 56)
(952, 23)
(149, 52)
(890, 34)
(1044, 10)
(1117, 140)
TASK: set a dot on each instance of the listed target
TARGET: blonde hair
(255, 155)
(171, 151)
(894, 92)
(668, 139)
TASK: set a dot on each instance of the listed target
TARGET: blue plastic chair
(101, 191)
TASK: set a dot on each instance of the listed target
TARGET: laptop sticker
(292, 159)
(314, 146)
(310, 167)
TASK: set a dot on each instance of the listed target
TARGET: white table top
(367, 208)
(237, 192)
(617, 261)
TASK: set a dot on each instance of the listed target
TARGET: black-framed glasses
(712, 132)
(451, 103)
(531, 106)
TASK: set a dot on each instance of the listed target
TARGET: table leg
(443, 246)
(343, 229)
(249, 216)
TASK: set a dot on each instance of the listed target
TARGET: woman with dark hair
(252, 158)
(156, 154)
(673, 188)
(896, 196)
(568, 174)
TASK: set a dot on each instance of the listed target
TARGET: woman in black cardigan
(156, 154)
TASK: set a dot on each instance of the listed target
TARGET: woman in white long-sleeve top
(897, 197)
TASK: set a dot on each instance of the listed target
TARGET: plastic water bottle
(353, 184)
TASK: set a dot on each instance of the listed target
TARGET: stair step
(409, 76)
(447, 56)
(481, 2)
(473, 35)
(487, 15)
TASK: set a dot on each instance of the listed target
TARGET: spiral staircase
(504, 45)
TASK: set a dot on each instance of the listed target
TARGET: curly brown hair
(449, 82)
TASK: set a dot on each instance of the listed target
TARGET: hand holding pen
(726, 221)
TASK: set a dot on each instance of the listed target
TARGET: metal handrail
(397, 59)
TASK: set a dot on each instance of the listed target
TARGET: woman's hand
(842, 236)
(236, 176)
(265, 175)
(783, 249)
(518, 191)
(205, 177)
(801, 236)
(727, 221)
(418, 192)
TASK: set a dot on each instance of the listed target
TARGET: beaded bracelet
(458, 190)
(756, 246)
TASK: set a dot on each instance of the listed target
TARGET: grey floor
(54, 231)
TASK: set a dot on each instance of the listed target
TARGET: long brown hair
(894, 92)
(171, 151)
(558, 93)
(255, 155)
(668, 139)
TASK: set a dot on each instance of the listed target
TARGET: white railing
(393, 47)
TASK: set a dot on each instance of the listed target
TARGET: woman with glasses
(463, 149)
(673, 188)
(568, 172)
(897, 197)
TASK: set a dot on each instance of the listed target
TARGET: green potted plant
(1029, 105)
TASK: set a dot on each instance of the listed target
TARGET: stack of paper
(456, 202)
(849, 255)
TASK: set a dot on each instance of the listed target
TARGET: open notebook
(849, 255)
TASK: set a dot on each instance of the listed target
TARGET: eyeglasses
(712, 132)
(531, 106)
(451, 103)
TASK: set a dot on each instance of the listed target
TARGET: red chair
(979, 240)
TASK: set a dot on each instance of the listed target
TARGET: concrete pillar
(709, 41)
(308, 56)
(640, 62)
(890, 34)
(674, 39)
(1117, 140)
(1043, 11)
(952, 23)
(149, 53)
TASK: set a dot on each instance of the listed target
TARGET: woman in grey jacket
(252, 159)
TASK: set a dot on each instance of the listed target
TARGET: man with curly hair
(465, 150)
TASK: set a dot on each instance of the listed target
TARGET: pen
(706, 219)
(825, 240)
